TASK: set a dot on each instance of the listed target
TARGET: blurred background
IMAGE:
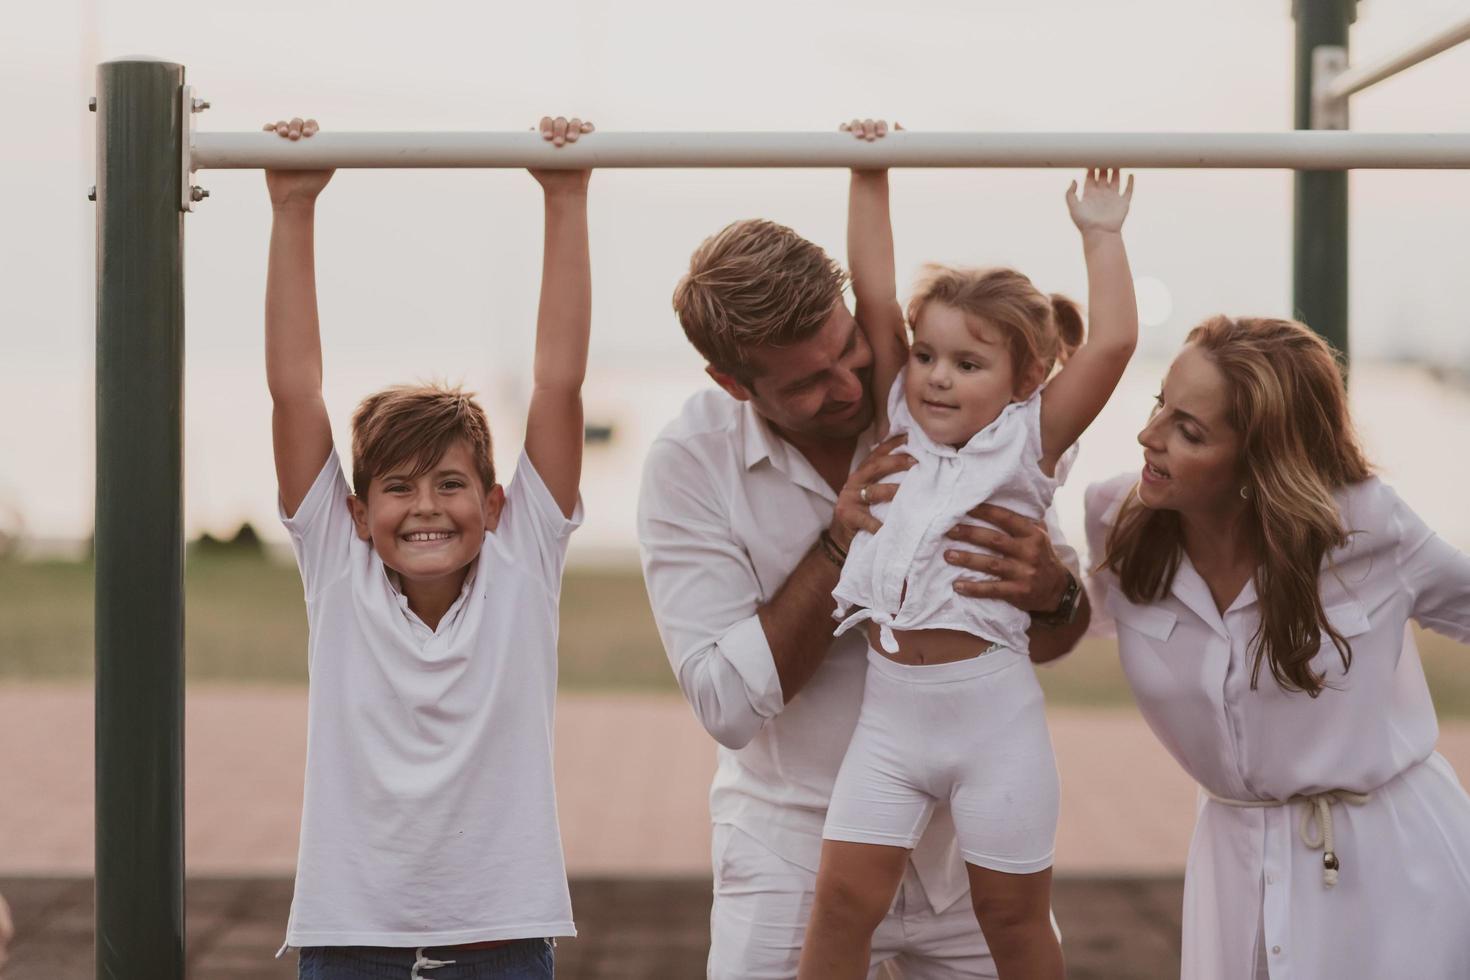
(434, 275)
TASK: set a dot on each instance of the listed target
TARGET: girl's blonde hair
(1289, 405)
(1040, 329)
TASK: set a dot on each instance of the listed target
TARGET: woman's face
(1191, 455)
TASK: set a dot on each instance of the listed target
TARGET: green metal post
(139, 534)
(1320, 232)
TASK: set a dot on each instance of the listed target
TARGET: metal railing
(1356, 79)
(1297, 150)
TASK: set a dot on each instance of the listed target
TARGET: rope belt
(422, 962)
(1318, 809)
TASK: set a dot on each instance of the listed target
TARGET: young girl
(952, 711)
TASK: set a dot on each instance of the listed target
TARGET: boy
(429, 838)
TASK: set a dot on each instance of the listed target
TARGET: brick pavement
(633, 775)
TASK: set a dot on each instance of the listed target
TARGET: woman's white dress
(1256, 902)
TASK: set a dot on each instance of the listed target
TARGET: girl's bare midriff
(919, 647)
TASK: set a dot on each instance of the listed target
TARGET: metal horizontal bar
(1298, 150)
(1357, 79)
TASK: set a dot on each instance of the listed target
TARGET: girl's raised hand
(295, 187)
(1102, 206)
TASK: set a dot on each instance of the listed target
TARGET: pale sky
(434, 273)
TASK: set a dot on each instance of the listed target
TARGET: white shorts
(972, 732)
(762, 902)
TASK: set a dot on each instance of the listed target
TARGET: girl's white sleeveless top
(898, 577)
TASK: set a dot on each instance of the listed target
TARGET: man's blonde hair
(414, 426)
(755, 284)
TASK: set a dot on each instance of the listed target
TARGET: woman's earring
(1245, 492)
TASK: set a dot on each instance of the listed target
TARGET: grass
(244, 620)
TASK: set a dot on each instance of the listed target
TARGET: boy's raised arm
(870, 261)
(300, 429)
(554, 422)
(1083, 386)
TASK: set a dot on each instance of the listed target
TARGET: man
(749, 501)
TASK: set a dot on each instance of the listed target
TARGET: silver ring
(863, 493)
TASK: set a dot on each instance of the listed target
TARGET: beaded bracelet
(834, 551)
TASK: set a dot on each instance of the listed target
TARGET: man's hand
(295, 188)
(1028, 573)
(862, 490)
(559, 132)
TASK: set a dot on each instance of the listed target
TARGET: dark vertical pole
(1320, 233)
(140, 559)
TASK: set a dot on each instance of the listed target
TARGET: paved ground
(649, 929)
(633, 774)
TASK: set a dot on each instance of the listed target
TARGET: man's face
(820, 388)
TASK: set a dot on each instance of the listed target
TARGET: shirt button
(1270, 879)
(1276, 949)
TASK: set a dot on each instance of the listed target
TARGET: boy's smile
(429, 528)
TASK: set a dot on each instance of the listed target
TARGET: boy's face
(431, 526)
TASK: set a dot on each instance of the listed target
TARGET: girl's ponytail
(1070, 326)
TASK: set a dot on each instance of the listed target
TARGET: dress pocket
(1348, 618)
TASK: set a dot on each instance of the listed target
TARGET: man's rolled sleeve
(705, 596)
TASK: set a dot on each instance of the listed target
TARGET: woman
(1261, 579)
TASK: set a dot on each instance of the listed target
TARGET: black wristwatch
(1066, 611)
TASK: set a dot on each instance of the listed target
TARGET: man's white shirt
(727, 510)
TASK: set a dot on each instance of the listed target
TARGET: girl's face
(1191, 454)
(960, 375)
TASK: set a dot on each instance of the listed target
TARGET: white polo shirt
(726, 510)
(430, 814)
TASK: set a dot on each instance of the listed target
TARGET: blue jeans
(526, 959)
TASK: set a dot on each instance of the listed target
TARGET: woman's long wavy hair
(1288, 403)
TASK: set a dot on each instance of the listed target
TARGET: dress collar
(1190, 588)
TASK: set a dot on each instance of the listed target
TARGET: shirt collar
(395, 585)
(760, 443)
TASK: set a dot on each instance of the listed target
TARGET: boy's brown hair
(415, 425)
(754, 284)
